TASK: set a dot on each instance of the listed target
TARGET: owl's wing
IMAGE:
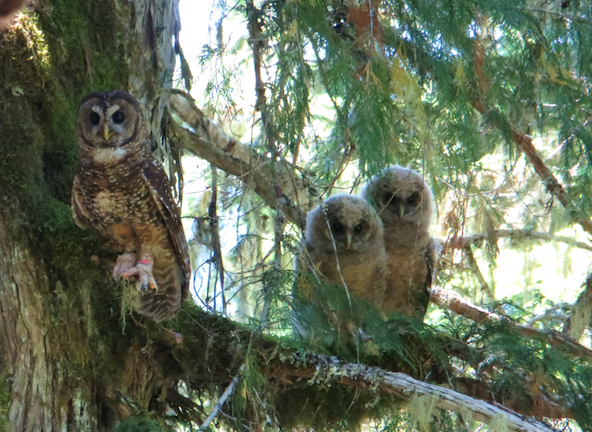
(81, 217)
(433, 251)
(160, 189)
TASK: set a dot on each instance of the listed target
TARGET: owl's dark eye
(359, 228)
(413, 198)
(338, 227)
(118, 117)
(94, 118)
(388, 198)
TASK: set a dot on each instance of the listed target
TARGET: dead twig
(216, 246)
(470, 258)
(222, 399)
(515, 234)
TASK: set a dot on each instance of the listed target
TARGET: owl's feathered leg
(143, 271)
(124, 263)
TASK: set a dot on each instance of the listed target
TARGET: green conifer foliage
(453, 89)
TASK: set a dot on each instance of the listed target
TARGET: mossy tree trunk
(63, 356)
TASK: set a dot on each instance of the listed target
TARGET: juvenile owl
(404, 203)
(343, 242)
(124, 193)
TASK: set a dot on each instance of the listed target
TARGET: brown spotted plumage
(124, 193)
(405, 203)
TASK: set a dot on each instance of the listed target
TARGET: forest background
(490, 101)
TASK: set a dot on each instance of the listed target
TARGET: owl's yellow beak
(402, 210)
(106, 132)
(349, 236)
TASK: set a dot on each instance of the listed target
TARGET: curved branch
(208, 141)
(404, 387)
(524, 143)
(452, 301)
(516, 234)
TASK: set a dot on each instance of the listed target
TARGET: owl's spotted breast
(116, 195)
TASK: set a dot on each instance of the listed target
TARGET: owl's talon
(125, 262)
(143, 271)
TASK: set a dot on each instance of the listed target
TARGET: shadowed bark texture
(66, 356)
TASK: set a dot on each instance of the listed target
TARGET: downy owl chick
(405, 204)
(344, 239)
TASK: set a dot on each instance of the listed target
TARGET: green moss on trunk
(49, 58)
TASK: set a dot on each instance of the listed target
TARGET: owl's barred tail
(165, 303)
(160, 305)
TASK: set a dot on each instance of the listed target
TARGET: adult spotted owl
(404, 203)
(343, 241)
(124, 193)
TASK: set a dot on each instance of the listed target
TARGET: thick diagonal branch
(405, 387)
(524, 143)
(451, 301)
(208, 141)
(515, 234)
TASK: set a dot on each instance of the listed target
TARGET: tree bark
(24, 351)
(72, 360)
(63, 355)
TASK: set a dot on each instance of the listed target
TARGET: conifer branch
(325, 371)
(581, 315)
(258, 44)
(516, 234)
(452, 301)
(208, 141)
(222, 399)
(524, 143)
(196, 367)
(558, 14)
(485, 288)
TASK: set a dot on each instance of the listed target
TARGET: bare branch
(470, 258)
(524, 143)
(581, 315)
(208, 141)
(216, 245)
(555, 313)
(405, 387)
(222, 399)
(516, 234)
(558, 14)
(452, 301)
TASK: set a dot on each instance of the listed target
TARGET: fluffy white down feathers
(378, 244)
